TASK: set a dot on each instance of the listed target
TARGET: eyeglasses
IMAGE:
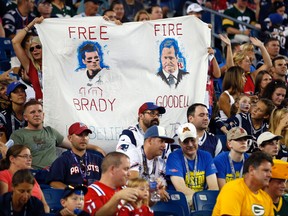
(26, 156)
(35, 47)
(152, 113)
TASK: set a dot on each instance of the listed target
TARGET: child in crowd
(73, 201)
(140, 207)
(242, 105)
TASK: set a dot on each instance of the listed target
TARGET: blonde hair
(34, 39)
(247, 47)
(137, 16)
(275, 118)
(239, 57)
(139, 182)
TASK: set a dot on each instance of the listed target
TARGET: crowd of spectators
(247, 106)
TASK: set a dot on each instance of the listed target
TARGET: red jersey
(34, 79)
(249, 85)
(129, 210)
(98, 195)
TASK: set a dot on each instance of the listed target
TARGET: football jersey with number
(247, 16)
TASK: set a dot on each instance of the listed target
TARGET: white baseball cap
(267, 136)
(194, 7)
(186, 130)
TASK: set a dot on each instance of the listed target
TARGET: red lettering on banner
(170, 29)
(88, 33)
(173, 101)
(102, 33)
(99, 105)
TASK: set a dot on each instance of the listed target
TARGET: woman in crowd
(261, 81)
(18, 157)
(20, 201)
(233, 84)
(118, 7)
(142, 15)
(278, 125)
(31, 59)
(244, 60)
(276, 92)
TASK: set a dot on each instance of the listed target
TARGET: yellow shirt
(236, 198)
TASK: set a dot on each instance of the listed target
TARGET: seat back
(165, 209)
(201, 213)
(176, 205)
(205, 200)
(53, 197)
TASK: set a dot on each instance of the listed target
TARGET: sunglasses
(35, 47)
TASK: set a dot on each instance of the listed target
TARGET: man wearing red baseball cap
(133, 137)
(75, 166)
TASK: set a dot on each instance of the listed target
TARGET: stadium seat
(201, 213)
(53, 197)
(205, 200)
(40, 175)
(95, 152)
(176, 206)
(163, 209)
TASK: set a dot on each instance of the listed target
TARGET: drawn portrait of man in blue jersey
(172, 63)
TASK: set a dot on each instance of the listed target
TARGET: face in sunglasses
(35, 47)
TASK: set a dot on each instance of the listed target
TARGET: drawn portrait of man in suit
(172, 63)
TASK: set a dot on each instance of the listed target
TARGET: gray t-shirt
(42, 144)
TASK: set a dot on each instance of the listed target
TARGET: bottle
(9, 143)
(154, 195)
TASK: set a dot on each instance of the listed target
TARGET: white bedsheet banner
(129, 58)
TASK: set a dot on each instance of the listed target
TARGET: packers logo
(258, 210)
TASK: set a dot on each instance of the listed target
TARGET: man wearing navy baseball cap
(147, 160)
(148, 114)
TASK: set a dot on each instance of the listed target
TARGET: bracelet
(26, 29)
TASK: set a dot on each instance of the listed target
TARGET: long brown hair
(233, 79)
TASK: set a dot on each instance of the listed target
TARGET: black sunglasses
(37, 47)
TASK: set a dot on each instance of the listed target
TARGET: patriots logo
(123, 147)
